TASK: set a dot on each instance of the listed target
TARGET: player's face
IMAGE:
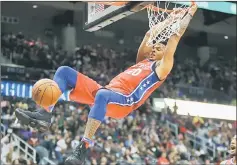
(157, 52)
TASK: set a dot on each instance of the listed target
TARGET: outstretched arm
(143, 49)
(167, 61)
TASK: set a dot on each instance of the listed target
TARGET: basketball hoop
(112, 3)
(164, 20)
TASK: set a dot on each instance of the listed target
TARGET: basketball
(45, 92)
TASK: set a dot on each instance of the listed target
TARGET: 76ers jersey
(136, 83)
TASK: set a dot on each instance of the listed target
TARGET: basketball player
(232, 152)
(125, 93)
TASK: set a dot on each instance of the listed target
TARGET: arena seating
(141, 138)
(107, 63)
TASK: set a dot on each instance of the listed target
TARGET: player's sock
(66, 79)
(91, 127)
(96, 115)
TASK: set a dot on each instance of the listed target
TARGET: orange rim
(110, 3)
(154, 8)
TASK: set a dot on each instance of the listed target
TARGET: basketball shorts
(85, 90)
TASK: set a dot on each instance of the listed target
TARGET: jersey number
(134, 72)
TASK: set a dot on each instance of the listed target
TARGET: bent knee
(103, 94)
(63, 69)
(66, 72)
(67, 75)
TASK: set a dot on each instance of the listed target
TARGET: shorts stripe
(138, 93)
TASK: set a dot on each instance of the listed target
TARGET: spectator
(132, 140)
(139, 138)
(129, 141)
(34, 140)
(163, 160)
(60, 148)
(48, 144)
(75, 142)
(103, 161)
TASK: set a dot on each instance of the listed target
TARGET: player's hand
(148, 33)
(192, 10)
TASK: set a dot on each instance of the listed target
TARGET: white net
(164, 21)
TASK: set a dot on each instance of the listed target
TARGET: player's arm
(167, 61)
(143, 49)
(185, 22)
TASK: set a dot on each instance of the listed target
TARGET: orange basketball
(46, 92)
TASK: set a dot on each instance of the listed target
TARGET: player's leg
(96, 116)
(67, 79)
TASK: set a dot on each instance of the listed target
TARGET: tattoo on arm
(184, 23)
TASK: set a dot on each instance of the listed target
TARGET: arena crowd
(141, 138)
(102, 64)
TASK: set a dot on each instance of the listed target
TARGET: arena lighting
(34, 6)
(206, 110)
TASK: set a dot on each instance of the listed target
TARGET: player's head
(157, 52)
(233, 146)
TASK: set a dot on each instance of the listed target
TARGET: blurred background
(38, 37)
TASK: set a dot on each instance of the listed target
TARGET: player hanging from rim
(233, 153)
(125, 93)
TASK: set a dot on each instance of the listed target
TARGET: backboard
(100, 14)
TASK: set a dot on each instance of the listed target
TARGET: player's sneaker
(40, 119)
(78, 156)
